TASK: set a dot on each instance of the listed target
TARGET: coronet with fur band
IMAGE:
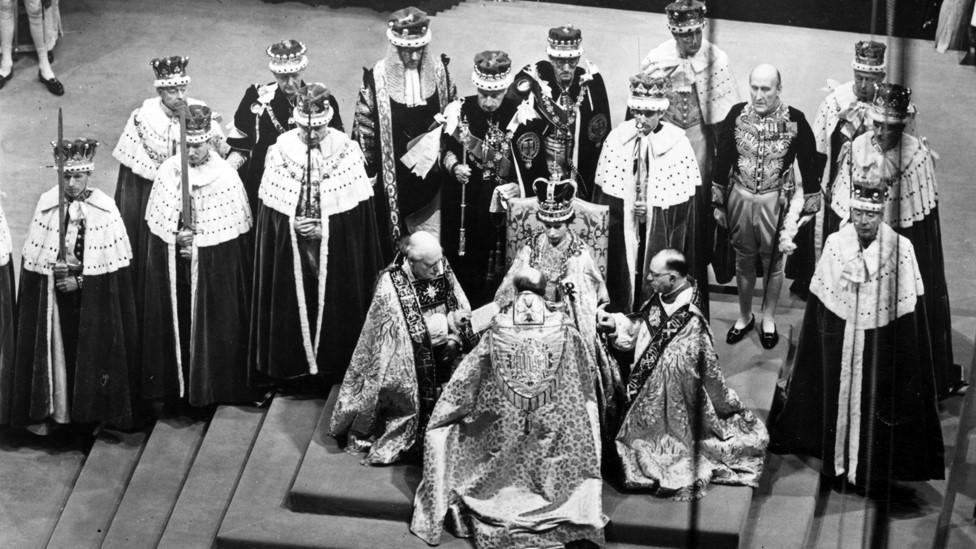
(869, 56)
(312, 108)
(492, 71)
(892, 104)
(869, 196)
(78, 155)
(565, 42)
(198, 127)
(649, 90)
(555, 199)
(408, 28)
(170, 71)
(287, 57)
(685, 16)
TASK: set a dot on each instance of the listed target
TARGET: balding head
(530, 280)
(765, 84)
(423, 251)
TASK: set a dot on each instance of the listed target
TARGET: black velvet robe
(100, 344)
(213, 336)
(8, 339)
(261, 133)
(276, 345)
(132, 196)
(902, 440)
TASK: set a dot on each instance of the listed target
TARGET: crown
(78, 155)
(565, 42)
(869, 56)
(892, 103)
(685, 16)
(492, 71)
(170, 71)
(649, 90)
(869, 195)
(287, 57)
(555, 198)
(312, 108)
(198, 118)
(408, 28)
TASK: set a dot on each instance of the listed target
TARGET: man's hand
(462, 173)
(462, 318)
(184, 239)
(804, 219)
(640, 209)
(605, 322)
(720, 218)
(508, 191)
(308, 227)
(64, 281)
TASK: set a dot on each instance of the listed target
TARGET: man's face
(174, 97)
(411, 57)
(565, 69)
(197, 153)
(865, 84)
(556, 232)
(888, 135)
(764, 91)
(489, 101)
(660, 278)
(688, 42)
(75, 183)
(425, 266)
(289, 83)
(647, 121)
(865, 224)
(317, 135)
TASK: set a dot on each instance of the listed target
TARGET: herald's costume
(264, 113)
(572, 281)
(395, 107)
(840, 119)
(396, 374)
(151, 135)
(500, 147)
(512, 453)
(195, 313)
(310, 295)
(864, 327)
(674, 363)
(76, 359)
(8, 320)
(577, 115)
(912, 209)
(659, 169)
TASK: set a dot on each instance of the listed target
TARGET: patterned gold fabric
(655, 440)
(507, 469)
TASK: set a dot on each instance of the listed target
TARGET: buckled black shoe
(768, 340)
(5, 79)
(735, 335)
(52, 85)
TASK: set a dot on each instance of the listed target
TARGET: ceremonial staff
(185, 173)
(462, 238)
(59, 157)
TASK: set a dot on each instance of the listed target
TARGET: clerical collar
(674, 293)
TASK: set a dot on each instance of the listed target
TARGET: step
(98, 491)
(784, 505)
(211, 481)
(155, 484)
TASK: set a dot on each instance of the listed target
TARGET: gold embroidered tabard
(763, 142)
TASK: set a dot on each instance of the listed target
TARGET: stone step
(213, 477)
(96, 495)
(156, 483)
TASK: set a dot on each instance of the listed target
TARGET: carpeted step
(96, 494)
(211, 481)
(155, 484)
(786, 501)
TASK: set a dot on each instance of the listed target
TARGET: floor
(103, 62)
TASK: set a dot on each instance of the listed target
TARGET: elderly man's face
(660, 279)
(489, 101)
(647, 121)
(865, 84)
(289, 83)
(174, 97)
(764, 91)
(866, 225)
(75, 183)
(425, 266)
(565, 68)
(411, 57)
(688, 42)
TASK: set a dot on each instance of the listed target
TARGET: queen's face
(556, 232)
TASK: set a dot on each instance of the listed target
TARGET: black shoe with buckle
(768, 340)
(5, 79)
(52, 85)
(735, 335)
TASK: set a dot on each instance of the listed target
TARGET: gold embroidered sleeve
(364, 130)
